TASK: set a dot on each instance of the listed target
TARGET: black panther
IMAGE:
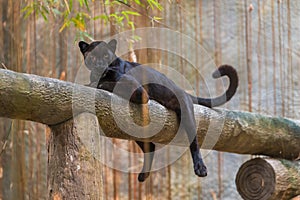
(108, 70)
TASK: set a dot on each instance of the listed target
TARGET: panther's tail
(223, 70)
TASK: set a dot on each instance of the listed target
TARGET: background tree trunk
(266, 179)
(73, 172)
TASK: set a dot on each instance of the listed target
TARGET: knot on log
(266, 178)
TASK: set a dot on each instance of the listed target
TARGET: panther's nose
(100, 63)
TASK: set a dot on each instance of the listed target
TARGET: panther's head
(98, 55)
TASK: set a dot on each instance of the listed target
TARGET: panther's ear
(83, 46)
(113, 45)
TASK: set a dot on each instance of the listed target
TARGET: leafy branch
(153, 4)
(70, 16)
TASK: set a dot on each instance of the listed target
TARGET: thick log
(51, 101)
(73, 171)
(268, 179)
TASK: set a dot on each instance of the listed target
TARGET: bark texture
(268, 179)
(50, 101)
(73, 171)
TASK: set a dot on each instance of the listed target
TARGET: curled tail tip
(231, 73)
(224, 70)
(216, 74)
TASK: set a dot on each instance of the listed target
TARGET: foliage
(77, 13)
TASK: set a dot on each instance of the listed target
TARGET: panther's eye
(105, 56)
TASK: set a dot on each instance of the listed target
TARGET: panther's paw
(93, 85)
(142, 176)
(200, 169)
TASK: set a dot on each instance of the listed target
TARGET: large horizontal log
(51, 101)
(268, 179)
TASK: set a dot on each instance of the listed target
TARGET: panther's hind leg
(199, 166)
(148, 148)
(187, 118)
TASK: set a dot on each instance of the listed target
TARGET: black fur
(107, 70)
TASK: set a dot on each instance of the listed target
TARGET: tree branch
(51, 101)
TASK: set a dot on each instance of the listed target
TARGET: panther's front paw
(142, 176)
(93, 85)
(200, 169)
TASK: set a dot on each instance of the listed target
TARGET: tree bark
(73, 171)
(51, 101)
(268, 179)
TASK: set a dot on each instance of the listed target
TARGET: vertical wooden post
(73, 171)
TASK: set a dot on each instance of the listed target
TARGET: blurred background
(260, 38)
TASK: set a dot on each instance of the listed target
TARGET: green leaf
(128, 12)
(68, 11)
(136, 38)
(87, 35)
(155, 4)
(79, 24)
(104, 17)
(80, 3)
(112, 3)
(43, 12)
(157, 18)
(56, 11)
(97, 17)
(138, 2)
(125, 15)
(82, 35)
(28, 11)
(26, 8)
(131, 24)
(71, 5)
(66, 24)
(107, 2)
(116, 17)
(84, 3)
(45, 9)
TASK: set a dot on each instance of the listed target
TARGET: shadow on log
(268, 179)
